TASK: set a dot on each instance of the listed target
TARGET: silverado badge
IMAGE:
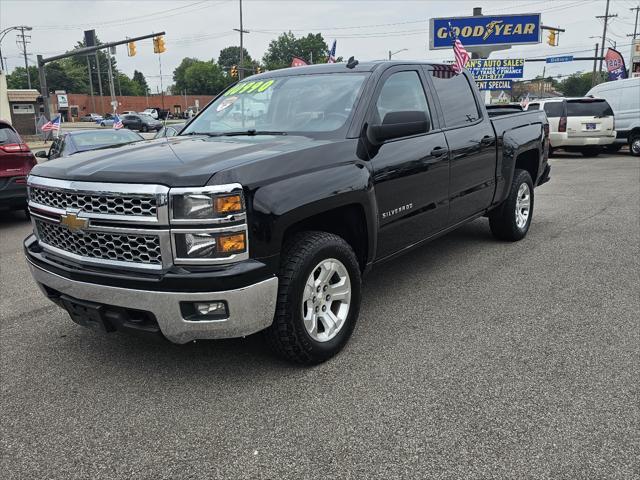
(73, 223)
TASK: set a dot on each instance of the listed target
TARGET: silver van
(624, 98)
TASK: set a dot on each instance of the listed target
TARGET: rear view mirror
(42, 154)
(399, 124)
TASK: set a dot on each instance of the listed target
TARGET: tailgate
(589, 117)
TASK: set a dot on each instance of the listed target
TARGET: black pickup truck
(265, 212)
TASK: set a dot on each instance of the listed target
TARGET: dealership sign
(493, 84)
(485, 30)
(498, 69)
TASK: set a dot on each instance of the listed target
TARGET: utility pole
(242, 31)
(635, 28)
(161, 87)
(25, 39)
(93, 99)
(112, 90)
(606, 18)
(595, 61)
(99, 85)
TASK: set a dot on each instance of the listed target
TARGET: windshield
(300, 103)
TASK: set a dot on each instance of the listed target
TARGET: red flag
(298, 62)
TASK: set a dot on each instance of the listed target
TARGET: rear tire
(511, 220)
(634, 145)
(298, 333)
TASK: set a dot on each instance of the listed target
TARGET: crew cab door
(471, 140)
(411, 173)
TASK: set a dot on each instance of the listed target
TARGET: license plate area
(86, 314)
(590, 126)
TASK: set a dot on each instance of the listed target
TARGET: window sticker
(250, 87)
(226, 103)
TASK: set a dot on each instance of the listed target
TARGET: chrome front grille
(144, 249)
(103, 204)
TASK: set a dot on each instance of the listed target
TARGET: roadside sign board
(561, 59)
(496, 69)
(493, 84)
(63, 101)
(485, 30)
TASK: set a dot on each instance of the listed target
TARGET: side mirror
(399, 124)
(42, 154)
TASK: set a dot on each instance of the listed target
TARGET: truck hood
(175, 162)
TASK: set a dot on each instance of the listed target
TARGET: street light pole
(391, 54)
(3, 33)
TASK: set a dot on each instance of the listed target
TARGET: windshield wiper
(249, 133)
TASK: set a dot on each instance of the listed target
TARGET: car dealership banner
(496, 69)
(493, 84)
(485, 30)
(615, 65)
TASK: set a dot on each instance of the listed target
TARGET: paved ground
(473, 359)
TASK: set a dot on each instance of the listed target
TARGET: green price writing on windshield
(250, 87)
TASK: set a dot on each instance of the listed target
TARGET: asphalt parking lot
(472, 359)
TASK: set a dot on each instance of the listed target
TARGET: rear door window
(456, 97)
(554, 109)
(588, 108)
(533, 106)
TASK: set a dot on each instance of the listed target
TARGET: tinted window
(7, 135)
(456, 97)
(104, 137)
(588, 108)
(401, 92)
(533, 106)
(130, 117)
(554, 109)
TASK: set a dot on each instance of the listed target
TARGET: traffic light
(158, 45)
(234, 71)
(551, 39)
(131, 48)
(258, 69)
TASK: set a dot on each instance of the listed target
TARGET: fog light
(207, 308)
(202, 311)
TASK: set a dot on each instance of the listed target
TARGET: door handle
(487, 140)
(439, 152)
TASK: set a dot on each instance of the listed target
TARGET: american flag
(332, 53)
(462, 56)
(117, 123)
(51, 125)
(525, 101)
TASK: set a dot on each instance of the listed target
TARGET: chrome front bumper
(251, 308)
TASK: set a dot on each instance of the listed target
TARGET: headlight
(192, 205)
(209, 245)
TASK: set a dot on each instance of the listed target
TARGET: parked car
(129, 112)
(624, 98)
(70, 143)
(584, 125)
(16, 161)
(91, 117)
(170, 130)
(141, 122)
(268, 222)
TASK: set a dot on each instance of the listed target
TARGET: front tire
(144, 129)
(318, 298)
(511, 220)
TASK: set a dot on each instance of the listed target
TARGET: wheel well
(348, 222)
(634, 131)
(529, 161)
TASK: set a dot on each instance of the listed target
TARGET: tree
(231, 56)
(578, 84)
(204, 78)
(179, 74)
(61, 75)
(286, 46)
(138, 78)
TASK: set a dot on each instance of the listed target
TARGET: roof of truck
(367, 66)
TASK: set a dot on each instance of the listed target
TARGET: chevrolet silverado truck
(268, 208)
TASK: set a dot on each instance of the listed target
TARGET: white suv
(583, 125)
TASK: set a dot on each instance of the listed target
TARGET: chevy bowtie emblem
(73, 223)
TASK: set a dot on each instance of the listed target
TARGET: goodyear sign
(485, 30)
(497, 69)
